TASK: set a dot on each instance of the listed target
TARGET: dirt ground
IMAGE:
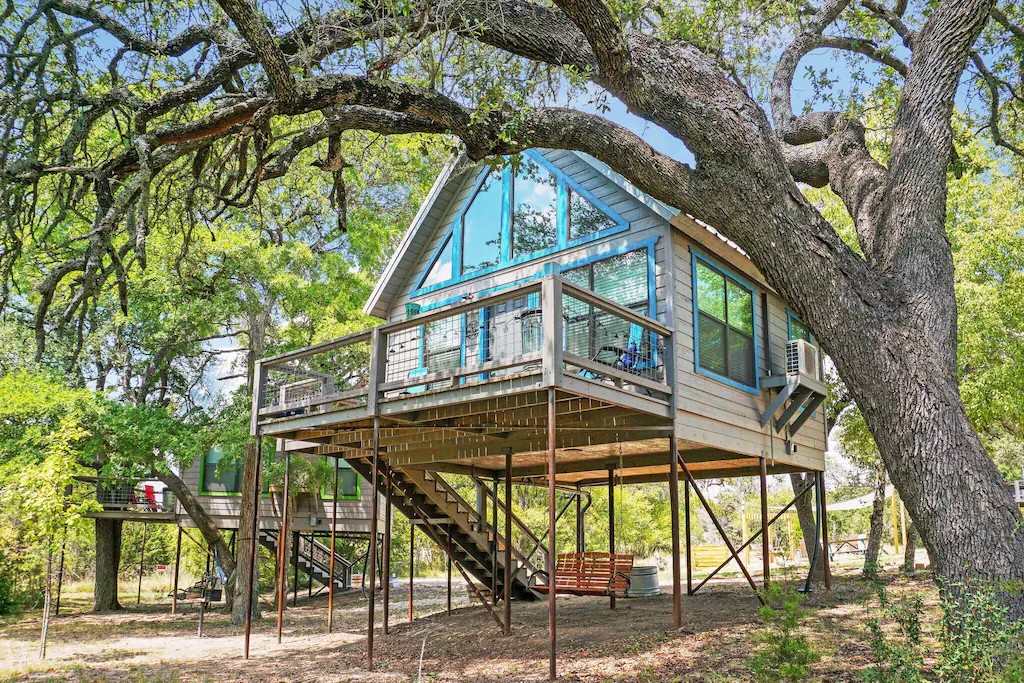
(632, 643)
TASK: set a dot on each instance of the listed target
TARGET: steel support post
(766, 550)
(386, 588)
(689, 544)
(824, 532)
(282, 546)
(611, 523)
(334, 552)
(507, 597)
(552, 443)
(177, 562)
(673, 496)
(373, 540)
(253, 543)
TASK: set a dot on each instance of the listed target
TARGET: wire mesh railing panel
(333, 378)
(133, 498)
(484, 343)
(603, 344)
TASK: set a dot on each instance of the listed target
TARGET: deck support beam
(507, 597)
(611, 524)
(552, 441)
(177, 561)
(734, 554)
(448, 553)
(142, 559)
(766, 551)
(386, 588)
(282, 547)
(689, 540)
(372, 558)
(412, 563)
(673, 496)
(254, 541)
(334, 552)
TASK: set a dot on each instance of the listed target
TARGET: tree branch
(249, 24)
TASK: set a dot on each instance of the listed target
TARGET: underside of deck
(591, 436)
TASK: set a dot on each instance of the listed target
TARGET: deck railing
(547, 330)
(114, 496)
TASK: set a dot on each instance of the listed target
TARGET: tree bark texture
(876, 532)
(808, 521)
(910, 551)
(108, 561)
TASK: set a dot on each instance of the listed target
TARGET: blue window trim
(553, 268)
(696, 256)
(790, 317)
(454, 230)
(534, 299)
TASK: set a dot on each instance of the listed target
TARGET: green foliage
(785, 655)
(978, 641)
(895, 636)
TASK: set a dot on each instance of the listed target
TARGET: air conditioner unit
(802, 358)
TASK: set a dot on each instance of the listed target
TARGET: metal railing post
(553, 325)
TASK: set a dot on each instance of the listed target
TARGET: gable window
(724, 320)
(217, 478)
(524, 210)
(348, 481)
(481, 226)
(585, 218)
(625, 280)
(441, 270)
(534, 209)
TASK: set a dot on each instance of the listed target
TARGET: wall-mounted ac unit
(802, 358)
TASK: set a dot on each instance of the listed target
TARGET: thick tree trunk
(908, 392)
(808, 520)
(108, 561)
(246, 537)
(211, 533)
(910, 551)
(876, 531)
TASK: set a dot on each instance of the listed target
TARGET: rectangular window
(724, 325)
(797, 329)
(442, 344)
(348, 482)
(624, 280)
(219, 478)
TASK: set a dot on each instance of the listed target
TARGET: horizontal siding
(715, 413)
(353, 515)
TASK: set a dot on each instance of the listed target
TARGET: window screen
(224, 479)
(725, 325)
(534, 209)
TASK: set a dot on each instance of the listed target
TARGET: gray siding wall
(353, 515)
(712, 412)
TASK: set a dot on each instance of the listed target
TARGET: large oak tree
(96, 109)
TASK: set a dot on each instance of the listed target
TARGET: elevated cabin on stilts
(545, 322)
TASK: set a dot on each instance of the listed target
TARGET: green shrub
(8, 591)
(784, 655)
(895, 636)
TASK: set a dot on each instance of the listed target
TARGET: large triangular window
(441, 270)
(534, 209)
(481, 226)
(585, 218)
